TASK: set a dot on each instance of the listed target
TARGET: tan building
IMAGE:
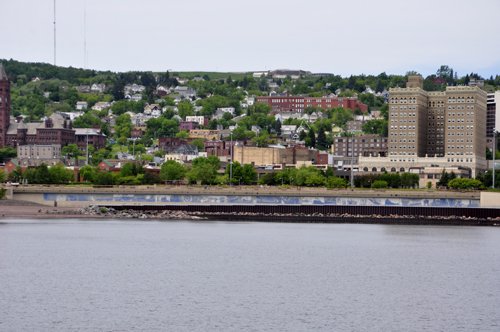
(273, 156)
(448, 127)
(38, 151)
(362, 145)
(207, 134)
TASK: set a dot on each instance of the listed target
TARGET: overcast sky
(341, 37)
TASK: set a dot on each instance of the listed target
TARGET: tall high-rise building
(426, 128)
(4, 105)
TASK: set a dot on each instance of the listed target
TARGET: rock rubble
(97, 211)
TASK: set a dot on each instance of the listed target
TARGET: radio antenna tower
(54, 32)
(85, 34)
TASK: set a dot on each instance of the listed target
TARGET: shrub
(429, 185)
(379, 184)
(335, 182)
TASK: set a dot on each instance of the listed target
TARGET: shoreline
(24, 211)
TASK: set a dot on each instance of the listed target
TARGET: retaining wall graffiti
(257, 200)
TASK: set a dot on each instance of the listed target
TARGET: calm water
(115, 275)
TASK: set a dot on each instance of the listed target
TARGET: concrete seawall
(81, 196)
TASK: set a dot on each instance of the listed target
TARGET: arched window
(374, 169)
(402, 169)
(393, 169)
(365, 169)
(382, 169)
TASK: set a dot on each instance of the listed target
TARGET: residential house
(83, 88)
(202, 120)
(101, 106)
(185, 91)
(182, 80)
(219, 113)
(256, 129)
(98, 88)
(81, 105)
(188, 125)
(136, 133)
(288, 129)
(136, 97)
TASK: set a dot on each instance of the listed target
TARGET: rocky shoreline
(96, 211)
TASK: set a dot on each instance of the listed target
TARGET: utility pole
(87, 146)
(352, 158)
(231, 169)
(494, 139)
(54, 32)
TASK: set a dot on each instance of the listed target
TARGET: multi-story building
(94, 136)
(202, 120)
(287, 103)
(363, 145)
(38, 151)
(204, 133)
(425, 128)
(492, 117)
(188, 125)
(354, 125)
(4, 106)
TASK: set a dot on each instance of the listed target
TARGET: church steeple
(4, 105)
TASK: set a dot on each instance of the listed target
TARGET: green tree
(8, 152)
(172, 170)
(87, 173)
(311, 139)
(2, 175)
(104, 178)
(42, 174)
(185, 109)
(444, 179)
(199, 144)
(183, 134)
(248, 174)
(322, 143)
(71, 151)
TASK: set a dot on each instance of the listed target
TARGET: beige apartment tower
(445, 127)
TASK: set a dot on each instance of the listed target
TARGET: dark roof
(186, 149)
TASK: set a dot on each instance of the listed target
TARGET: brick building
(288, 103)
(95, 138)
(54, 130)
(168, 144)
(189, 125)
(363, 145)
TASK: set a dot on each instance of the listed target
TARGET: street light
(494, 138)
(352, 158)
(231, 166)
(87, 146)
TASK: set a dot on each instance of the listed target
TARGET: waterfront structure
(289, 103)
(445, 128)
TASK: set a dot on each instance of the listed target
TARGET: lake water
(123, 275)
